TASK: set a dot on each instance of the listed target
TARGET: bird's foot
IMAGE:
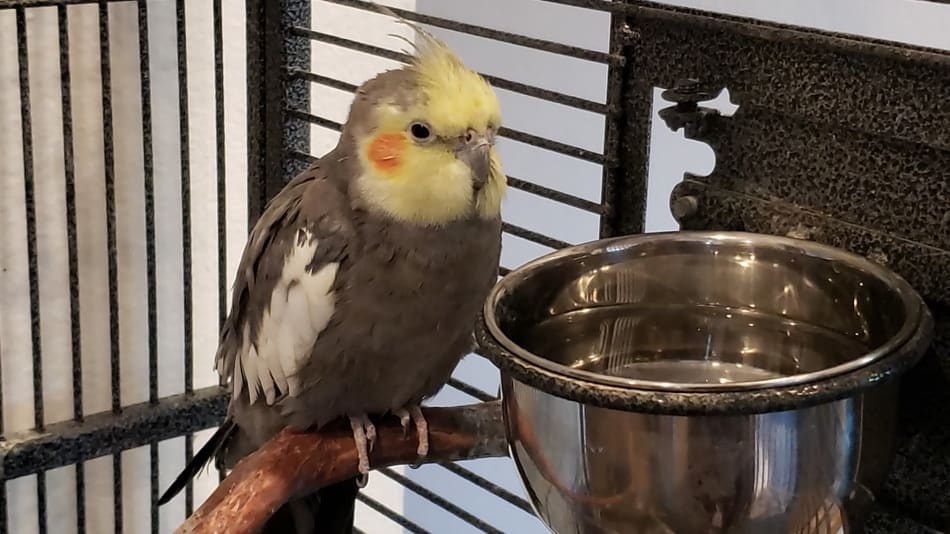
(422, 428)
(364, 434)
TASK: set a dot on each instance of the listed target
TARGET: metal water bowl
(700, 382)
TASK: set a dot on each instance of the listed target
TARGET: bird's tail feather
(205, 455)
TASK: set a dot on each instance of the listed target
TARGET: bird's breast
(422, 286)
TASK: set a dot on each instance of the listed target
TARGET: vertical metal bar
(30, 204)
(113, 267)
(153, 466)
(190, 487)
(73, 250)
(145, 86)
(222, 177)
(41, 513)
(624, 204)
(266, 77)
(185, 157)
(149, 175)
(80, 473)
(627, 148)
(26, 128)
(612, 128)
(71, 227)
(254, 49)
(117, 492)
(109, 156)
(296, 133)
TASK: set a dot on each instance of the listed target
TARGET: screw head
(687, 90)
(684, 207)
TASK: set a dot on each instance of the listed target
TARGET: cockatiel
(359, 286)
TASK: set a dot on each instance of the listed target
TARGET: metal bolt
(687, 86)
(684, 207)
(802, 232)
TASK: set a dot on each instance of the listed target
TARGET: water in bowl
(688, 344)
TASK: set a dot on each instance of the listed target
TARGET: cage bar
(151, 296)
(439, 501)
(73, 252)
(391, 515)
(31, 236)
(219, 154)
(489, 486)
(488, 33)
(471, 390)
(500, 83)
(186, 256)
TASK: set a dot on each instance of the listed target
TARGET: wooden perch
(293, 465)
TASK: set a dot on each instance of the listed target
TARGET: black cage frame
(821, 117)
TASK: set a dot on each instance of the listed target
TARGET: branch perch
(292, 465)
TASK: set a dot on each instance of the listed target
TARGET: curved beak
(476, 153)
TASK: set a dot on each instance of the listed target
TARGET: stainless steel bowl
(700, 382)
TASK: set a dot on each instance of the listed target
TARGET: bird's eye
(420, 131)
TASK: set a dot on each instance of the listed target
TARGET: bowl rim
(912, 303)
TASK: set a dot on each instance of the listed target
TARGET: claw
(370, 434)
(362, 480)
(364, 435)
(422, 430)
(414, 413)
(404, 418)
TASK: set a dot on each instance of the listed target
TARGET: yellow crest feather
(456, 97)
(453, 99)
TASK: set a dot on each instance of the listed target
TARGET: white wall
(912, 21)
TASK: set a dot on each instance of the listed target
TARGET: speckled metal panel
(837, 139)
(296, 13)
(265, 93)
(869, 179)
(820, 77)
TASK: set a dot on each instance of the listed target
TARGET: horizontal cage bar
(533, 236)
(514, 135)
(489, 33)
(390, 514)
(554, 194)
(489, 486)
(435, 499)
(100, 434)
(471, 390)
(501, 83)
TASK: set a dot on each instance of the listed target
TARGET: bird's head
(425, 139)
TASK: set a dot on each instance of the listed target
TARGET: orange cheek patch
(386, 151)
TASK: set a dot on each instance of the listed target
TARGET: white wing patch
(300, 308)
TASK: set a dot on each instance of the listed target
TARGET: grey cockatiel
(360, 283)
